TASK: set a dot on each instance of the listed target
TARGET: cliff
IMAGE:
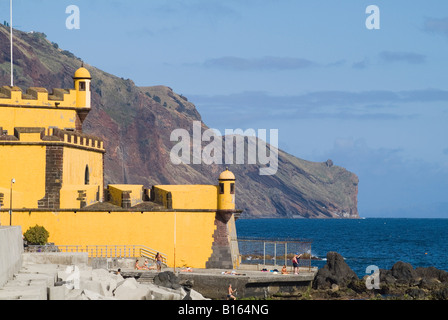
(136, 123)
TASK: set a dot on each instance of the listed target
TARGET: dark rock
(441, 294)
(429, 284)
(404, 273)
(188, 295)
(386, 277)
(336, 271)
(359, 286)
(432, 273)
(416, 293)
(167, 279)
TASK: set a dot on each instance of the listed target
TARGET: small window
(221, 188)
(87, 176)
(82, 86)
(232, 188)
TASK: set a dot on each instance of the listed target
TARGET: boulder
(404, 273)
(430, 273)
(416, 293)
(336, 271)
(167, 279)
(386, 277)
(429, 284)
(441, 294)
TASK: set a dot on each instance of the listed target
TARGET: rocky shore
(337, 281)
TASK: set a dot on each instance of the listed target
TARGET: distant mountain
(136, 123)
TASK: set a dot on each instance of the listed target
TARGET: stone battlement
(39, 135)
(37, 97)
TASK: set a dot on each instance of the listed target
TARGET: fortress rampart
(51, 136)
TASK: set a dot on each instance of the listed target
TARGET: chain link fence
(274, 253)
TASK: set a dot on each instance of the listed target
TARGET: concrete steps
(143, 277)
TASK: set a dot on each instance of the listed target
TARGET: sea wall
(11, 249)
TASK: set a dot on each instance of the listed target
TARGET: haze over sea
(372, 241)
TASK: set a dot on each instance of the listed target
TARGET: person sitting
(145, 265)
(284, 270)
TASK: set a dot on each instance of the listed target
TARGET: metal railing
(104, 251)
(274, 252)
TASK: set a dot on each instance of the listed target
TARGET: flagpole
(12, 63)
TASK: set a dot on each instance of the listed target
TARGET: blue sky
(373, 101)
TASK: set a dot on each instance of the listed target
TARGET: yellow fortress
(51, 174)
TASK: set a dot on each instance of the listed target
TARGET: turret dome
(227, 175)
(82, 73)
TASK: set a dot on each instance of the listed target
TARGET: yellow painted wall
(194, 235)
(190, 196)
(38, 97)
(11, 118)
(69, 195)
(74, 166)
(116, 191)
(26, 164)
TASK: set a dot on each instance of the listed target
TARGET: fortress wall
(11, 249)
(194, 230)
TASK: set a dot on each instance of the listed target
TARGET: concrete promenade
(249, 282)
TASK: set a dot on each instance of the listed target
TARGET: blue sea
(364, 242)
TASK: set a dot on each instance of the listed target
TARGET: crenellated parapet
(62, 108)
(51, 136)
(38, 97)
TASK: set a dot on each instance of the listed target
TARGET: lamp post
(10, 202)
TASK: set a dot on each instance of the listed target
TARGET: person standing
(159, 261)
(295, 263)
(230, 293)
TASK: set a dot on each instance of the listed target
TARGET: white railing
(114, 251)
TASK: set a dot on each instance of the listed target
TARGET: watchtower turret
(82, 81)
(226, 191)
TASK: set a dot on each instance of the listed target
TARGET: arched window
(87, 176)
(82, 86)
